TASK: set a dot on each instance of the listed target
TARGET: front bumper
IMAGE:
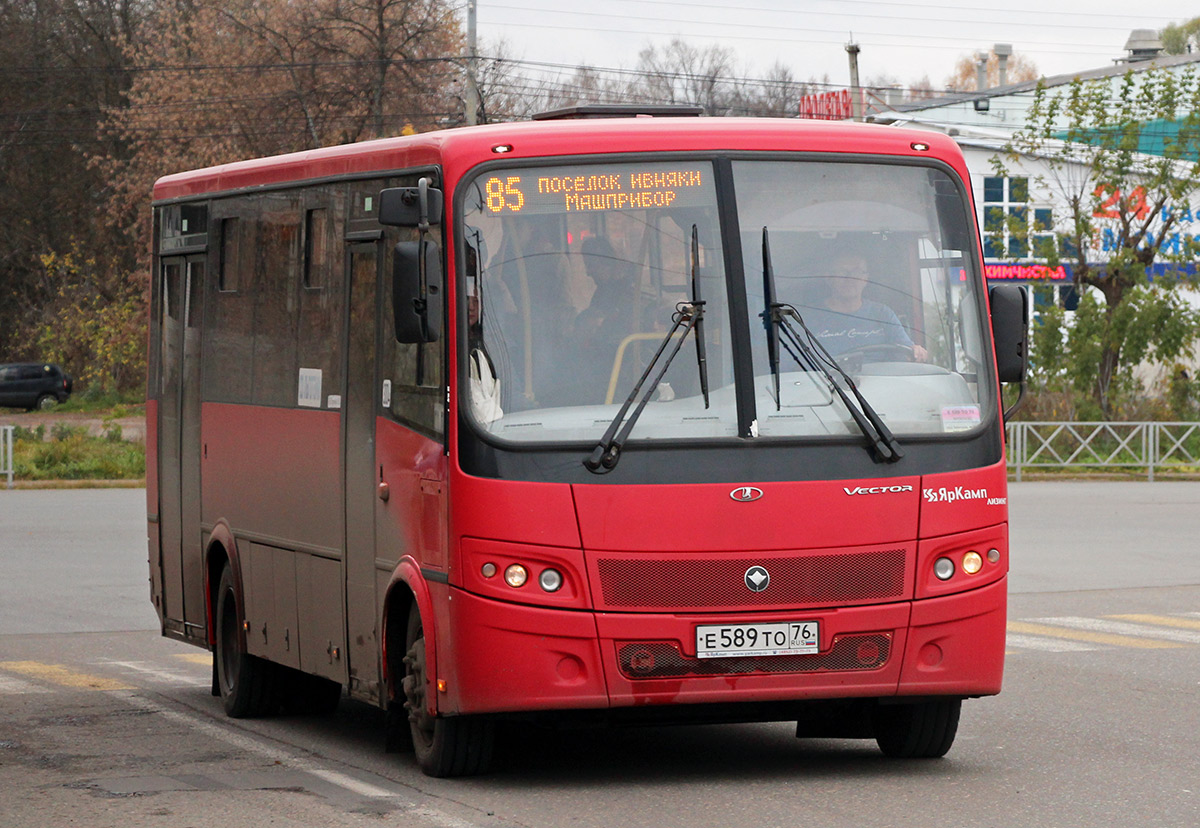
(507, 658)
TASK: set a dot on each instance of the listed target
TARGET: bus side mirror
(410, 206)
(1010, 331)
(417, 291)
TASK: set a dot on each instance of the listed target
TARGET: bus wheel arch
(443, 745)
(220, 552)
(246, 684)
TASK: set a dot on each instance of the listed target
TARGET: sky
(905, 41)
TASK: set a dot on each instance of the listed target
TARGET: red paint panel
(508, 657)
(957, 501)
(414, 467)
(514, 511)
(956, 644)
(273, 472)
(788, 516)
(460, 149)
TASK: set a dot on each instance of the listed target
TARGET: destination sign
(584, 189)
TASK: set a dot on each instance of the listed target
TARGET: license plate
(736, 640)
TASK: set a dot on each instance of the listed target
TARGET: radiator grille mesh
(798, 580)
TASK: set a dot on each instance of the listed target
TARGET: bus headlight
(972, 562)
(943, 568)
(516, 576)
(550, 580)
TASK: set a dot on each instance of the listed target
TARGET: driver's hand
(920, 354)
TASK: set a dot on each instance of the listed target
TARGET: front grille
(797, 580)
(664, 660)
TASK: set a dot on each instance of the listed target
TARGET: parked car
(33, 385)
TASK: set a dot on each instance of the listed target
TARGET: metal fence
(6, 453)
(1149, 448)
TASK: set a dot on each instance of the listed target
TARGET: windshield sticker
(960, 417)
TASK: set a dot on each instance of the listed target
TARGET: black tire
(246, 683)
(46, 402)
(917, 731)
(444, 746)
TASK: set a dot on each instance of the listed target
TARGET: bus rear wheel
(444, 746)
(246, 683)
(925, 730)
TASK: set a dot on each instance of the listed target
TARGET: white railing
(6, 453)
(1144, 447)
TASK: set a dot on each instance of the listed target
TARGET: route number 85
(504, 195)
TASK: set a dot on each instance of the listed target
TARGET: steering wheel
(880, 352)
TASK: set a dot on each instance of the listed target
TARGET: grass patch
(71, 454)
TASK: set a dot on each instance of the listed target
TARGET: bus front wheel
(924, 730)
(444, 746)
(245, 683)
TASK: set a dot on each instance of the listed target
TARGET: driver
(844, 321)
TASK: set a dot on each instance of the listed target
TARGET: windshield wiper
(701, 349)
(688, 315)
(809, 353)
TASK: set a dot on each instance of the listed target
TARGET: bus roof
(456, 150)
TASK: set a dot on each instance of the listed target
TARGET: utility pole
(471, 101)
(855, 91)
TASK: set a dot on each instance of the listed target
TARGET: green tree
(1176, 37)
(94, 321)
(1116, 213)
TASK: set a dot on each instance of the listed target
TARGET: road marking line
(1161, 620)
(1085, 635)
(1124, 628)
(16, 687)
(196, 658)
(166, 676)
(289, 758)
(1052, 645)
(57, 674)
(353, 785)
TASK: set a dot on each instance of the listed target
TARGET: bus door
(359, 409)
(179, 445)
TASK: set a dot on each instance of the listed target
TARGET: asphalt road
(103, 723)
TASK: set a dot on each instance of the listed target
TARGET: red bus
(615, 419)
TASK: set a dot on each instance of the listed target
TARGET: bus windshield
(574, 274)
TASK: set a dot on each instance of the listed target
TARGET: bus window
(580, 271)
(863, 253)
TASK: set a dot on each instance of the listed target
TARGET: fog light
(972, 563)
(550, 580)
(943, 568)
(993, 556)
(488, 570)
(516, 575)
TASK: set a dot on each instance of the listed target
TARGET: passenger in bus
(607, 320)
(484, 383)
(533, 269)
(844, 321)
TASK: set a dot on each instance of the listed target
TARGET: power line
(1006, 20)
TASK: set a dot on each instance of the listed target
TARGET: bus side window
(322, 289)
(228, 353)
(416, 371)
